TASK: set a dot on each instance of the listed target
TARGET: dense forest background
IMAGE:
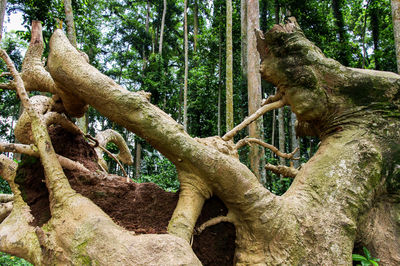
(123, 40)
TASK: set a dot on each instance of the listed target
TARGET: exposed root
(275, 150)
(282, 170)
(268, 107)
(4, 198)
(213, 221)
(32, 150)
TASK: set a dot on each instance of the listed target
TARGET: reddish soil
(144, 208)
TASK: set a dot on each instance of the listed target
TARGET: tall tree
(185, 82)
(229, 67)
(195, 24)
(3, 4)
(375, 21)
(82, 122)
(396, 29)
(344, 50)
(160, 45)
(254, 86)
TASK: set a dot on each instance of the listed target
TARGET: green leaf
(365, 263)
(373, 262)
(357, 257)
(367, 253)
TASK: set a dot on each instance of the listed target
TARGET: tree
(185, 85)
(396, 29)
(348, 187)
(229, 67)
(254, 88)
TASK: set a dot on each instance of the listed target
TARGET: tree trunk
(160, 46)
(195, 25)
(185, 82)
(138, 159)
(294, 140)
(219, 80)
(396, 30)
(343, 55)
(229, 67)
(281, 132)
(374, 13)
(254, 89)
(243, 35)
(82, 122)
(3, 5)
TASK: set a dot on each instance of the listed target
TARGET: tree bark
(229, 67)
(195, 25)
(294, 140)
(185, 82)
(396, 30)
(254, 88)
(375, 20)
(160, 46)
(281, 132)
(3, 5)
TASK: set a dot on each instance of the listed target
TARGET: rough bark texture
(254, 88)
(351, 183)
(229, 67)
(396, 29)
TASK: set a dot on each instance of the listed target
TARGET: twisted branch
(282, 170)
(275, 150)
(268, 107)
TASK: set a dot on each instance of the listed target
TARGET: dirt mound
(144, 208)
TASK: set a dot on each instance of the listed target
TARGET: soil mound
(143, 208)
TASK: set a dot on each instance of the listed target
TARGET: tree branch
(32, 150)
(282, 170)
(213, 221)
(275, 150)
(268, 107)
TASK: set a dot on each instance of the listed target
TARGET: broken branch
(282, 170)
(268, 107)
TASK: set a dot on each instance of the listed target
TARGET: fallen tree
(339, 199)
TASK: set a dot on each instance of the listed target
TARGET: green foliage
(9, 260)
(367, 259)
(160, 171)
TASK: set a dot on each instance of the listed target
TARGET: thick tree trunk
(229, 67)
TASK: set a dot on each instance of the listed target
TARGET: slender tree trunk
(229, 67)
(243, 30)
(375, 20)
(185, 82)
(364, 29)
(281, 125)
(396, 29)
(219, 81)
(138, 159)
(160, 46)
(195, 25)
(3, 4)
(277, 8)
(294, 140)
(343, 54)
(254, 87)
(273, 125)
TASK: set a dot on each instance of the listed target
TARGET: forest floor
(140, 207)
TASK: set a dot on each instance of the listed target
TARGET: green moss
(99, 194)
